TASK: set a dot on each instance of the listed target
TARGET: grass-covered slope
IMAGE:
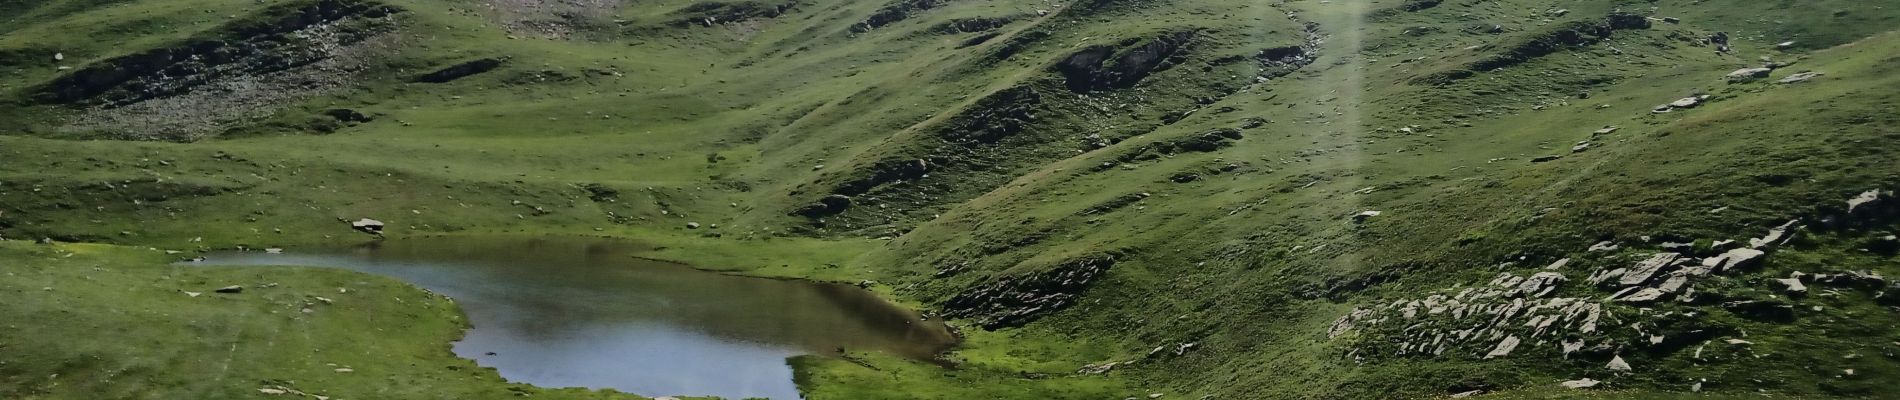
(1115, 198)
(94, 321)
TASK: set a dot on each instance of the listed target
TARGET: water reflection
(584, 312)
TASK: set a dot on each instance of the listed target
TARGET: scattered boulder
(1547, 158)
(1748, 74)
(1559, 264)
(1792, 285)
(692, 225)
(1362, 216)
(1617, 364)
(1581, 383)
(368, 226)
(1604, 246)
(1799, 77)
(230, 289)
(1682, 103)
(1734, 259)
(1775, 237)
(1866, 201)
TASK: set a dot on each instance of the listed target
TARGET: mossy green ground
(730, 125)
(92, 321)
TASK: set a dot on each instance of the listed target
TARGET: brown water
(584, 312)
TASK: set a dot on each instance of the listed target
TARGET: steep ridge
(1283, 199)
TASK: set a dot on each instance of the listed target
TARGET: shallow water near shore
(586, 312)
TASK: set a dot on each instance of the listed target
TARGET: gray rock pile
(1513, 312)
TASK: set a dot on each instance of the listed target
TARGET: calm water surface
(583, 312)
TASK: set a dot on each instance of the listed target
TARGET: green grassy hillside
(1113, 198)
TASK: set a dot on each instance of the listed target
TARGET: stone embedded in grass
(1504, 347)
(1748, 74)
(1686, 102)
(692, 225)
(369, 226)
(1799, 77)
(1617, 364)
(1581, 383)
(1775, 237)
(1867, 200)
(1734, 259)
(1559, 264)
(1538, 285)
(231, 289)
(1648, 268)
(1643, 295)
(1362, 216)
(1792, 285)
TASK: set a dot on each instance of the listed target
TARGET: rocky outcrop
(1099, 67)
(991, 120)
(1000, 115)
(1419, 5)
(894, 12)
(1483, 321)
(1113, 204)
(968, 25)
(460, 70)
(1017, 299)
(709, 13)
(1571, 35)
(828, 205)
(1202, 142)
(263, 45)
